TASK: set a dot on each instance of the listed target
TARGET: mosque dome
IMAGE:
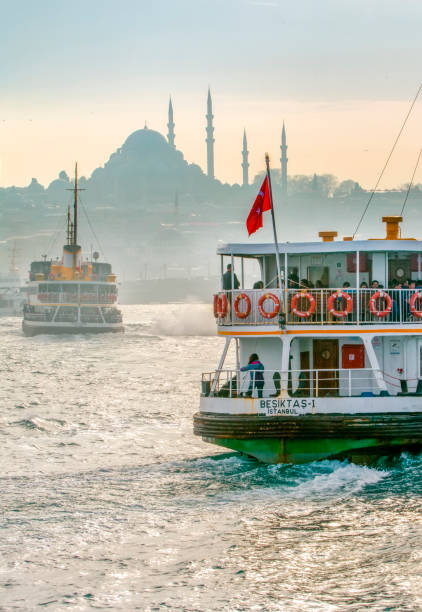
(144, 141)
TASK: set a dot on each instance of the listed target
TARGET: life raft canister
(335, 296)
(312, 304)
(242, 297)
(388, 304)
(416, 296)
(220, 305)
(276, 302)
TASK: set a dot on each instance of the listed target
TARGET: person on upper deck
(258, 285)
(256, 375)
(293, 281)
(227, 279)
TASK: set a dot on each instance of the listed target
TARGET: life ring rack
(303, 314)
(388, 304)
(264, 313)
(335, 296)
(242, 297)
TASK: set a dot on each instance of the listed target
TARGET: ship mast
(69, 231)
(75, 208)
(72, 226)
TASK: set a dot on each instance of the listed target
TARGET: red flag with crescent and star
(261, 204)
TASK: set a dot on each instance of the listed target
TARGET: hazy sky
(78, 77)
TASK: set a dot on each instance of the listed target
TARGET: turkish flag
(261, 204)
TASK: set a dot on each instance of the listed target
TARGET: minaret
(170, 125)
(283, 161)
(210, 137)
(245, 163)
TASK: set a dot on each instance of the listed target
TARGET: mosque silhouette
(149, 163)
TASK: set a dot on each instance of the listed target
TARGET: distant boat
(12, 292)
(74, 295)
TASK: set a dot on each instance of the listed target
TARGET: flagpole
(267, 161)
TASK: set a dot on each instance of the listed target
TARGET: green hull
(276, 450)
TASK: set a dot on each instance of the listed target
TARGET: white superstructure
(342, 335)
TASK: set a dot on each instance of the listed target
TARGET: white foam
(344, 477)
(185, 320)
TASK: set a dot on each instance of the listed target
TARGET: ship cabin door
(326, 356)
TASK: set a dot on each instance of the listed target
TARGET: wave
(48, 425)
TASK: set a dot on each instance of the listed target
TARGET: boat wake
(185, 320)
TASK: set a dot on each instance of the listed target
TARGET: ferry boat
(74, 295)
(340, 342)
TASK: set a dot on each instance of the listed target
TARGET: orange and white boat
(74, 295)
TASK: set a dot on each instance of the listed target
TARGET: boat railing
(73, 297)
(346, 306)
(37, 316)
(351, 382)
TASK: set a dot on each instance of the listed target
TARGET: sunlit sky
(77, 78)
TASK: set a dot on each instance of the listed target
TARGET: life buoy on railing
(416, 296)
(388, 304)
(215, 305)
(220, 305)
(335, 296)
(275, 301)
(312, 304)
(242, 297)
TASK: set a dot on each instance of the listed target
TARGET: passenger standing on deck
(256, 374)
(227, 279)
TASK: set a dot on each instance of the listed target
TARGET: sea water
(108, 501)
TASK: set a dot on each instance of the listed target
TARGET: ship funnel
(327, 236)
(392, 227)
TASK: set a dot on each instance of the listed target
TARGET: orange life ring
(312, 304)
(388, 304)
(335, 296)
(239, 313)
(415, 296)
(220, 305)
(276, 302)
(216, 305)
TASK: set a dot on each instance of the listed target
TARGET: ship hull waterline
(30, 330)
(360, 438)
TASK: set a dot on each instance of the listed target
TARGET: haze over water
(110, 502)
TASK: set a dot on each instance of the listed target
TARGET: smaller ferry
(326, 363)
(74, 295)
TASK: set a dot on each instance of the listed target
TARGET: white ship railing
(367, 307)
(352, 382)
(55, 297)
(69, 314)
